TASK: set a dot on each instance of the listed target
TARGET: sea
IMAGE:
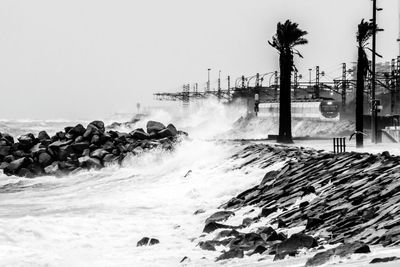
(96, 218)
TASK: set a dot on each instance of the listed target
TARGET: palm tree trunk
(285, 116)
(360, 97)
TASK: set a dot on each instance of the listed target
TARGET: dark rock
(386, 259)
(58, 144)
(258, 250)
(27, 139)
(9, 158)
(139, 134)
(296, 242)
(266, 230)
(143, 242)
(5, 150)
(276, 237)
(99, 125)
(220, 216)
(98, 153)
(267, 211)
(24, 172)
(44, 159)
(363, 249)
(164, 133)
(246, 222)
(80, 147)
(341, 251)
(281, 224)
(212, 226)
(154, 127)
(4, 165)
(52, 169)
(15, 165)
(172, 129)
(95, 139)
(110, 158)
(89, 163)
(185, 259)
(154, 241)
(8, 138)
(320, 258)
(303, 204)
(206, 245)
(43, 136)
(60, 136)
(199, 211)
(313, 223)
(227, 233)
(78, 130)
(233, 253)
(64, 152)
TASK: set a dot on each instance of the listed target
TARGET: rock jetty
(78, 148)
(351, 199)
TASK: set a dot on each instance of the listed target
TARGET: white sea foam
(95, 218)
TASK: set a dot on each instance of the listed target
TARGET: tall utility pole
(344, 87)
(295, 84)
(374, 122)
(219, 85)
(317, 82)
(276, 85)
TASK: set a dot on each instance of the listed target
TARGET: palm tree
(365, 31)
(287, 36)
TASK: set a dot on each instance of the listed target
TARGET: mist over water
(95, 218)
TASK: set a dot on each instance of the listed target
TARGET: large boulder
(5, 150)
(145, 241)
(43, 136)
(7, 138)
(291, 245)
(44, 159)
(99, 125)
(90, 163)
(172, 129)
(154, 127)
(77, 130)
(16, 165)
(341, 251)
(139, 134)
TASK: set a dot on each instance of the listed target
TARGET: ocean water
(95, 218)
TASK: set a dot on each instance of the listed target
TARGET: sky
(87, 59)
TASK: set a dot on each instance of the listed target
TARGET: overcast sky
(84, 59)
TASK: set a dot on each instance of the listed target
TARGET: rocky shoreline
(352, 199)
(77, 148)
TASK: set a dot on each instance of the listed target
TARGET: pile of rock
(351, 198)
(78, 148)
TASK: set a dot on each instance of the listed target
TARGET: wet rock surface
(350, 198)
(78, 148)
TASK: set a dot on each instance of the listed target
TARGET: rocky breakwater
(78, 148)
(316, 200)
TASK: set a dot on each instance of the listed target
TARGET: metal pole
(276, 85)
(344, 87)
(317, 82)
(208, 81)
(374, 122)
(295, 85)
(309, 73)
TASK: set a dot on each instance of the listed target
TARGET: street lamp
(309, 72)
